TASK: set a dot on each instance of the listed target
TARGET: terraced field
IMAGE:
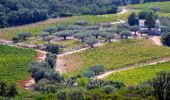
(114, 55)
(164, 6)
(36, 28)
(138, 75)
(14, 62)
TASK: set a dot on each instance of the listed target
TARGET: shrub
(53, 48)
(51, 59)
(76, 94)
(161, 85)
(82, 82)
(62, 94)
(3, 88)
(97, 69)
(95, 83)
(12, 90)
(91, 41)
(109, 89)
(81, 23)
(89, 74)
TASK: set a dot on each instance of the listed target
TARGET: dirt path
(142, 64)
(124, 10)
(156, 40)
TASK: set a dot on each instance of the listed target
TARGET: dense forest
(19, 12)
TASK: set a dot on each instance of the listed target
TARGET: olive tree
(108, 36)
(82, 35)
(96, 34)
(134, 28)
(43, 34)
(54, 48)
(91, 41)
(126, 34)
(24, 35)
(64, 34)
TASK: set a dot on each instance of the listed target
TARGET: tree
(50, 30)
(134, 29)
(82, 35)
(51, 59)
(53, 48)
(161, 85)
(76, 94)
(24, 35)
(108, 37)
(43, 34)
(150, 21)
(166, 38)
(91, 41)
(126, 34)
(3, 88)
(96, 34)
(12, 90)
(64, 34)
(132, 19)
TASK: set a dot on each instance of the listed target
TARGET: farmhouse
(155, 31)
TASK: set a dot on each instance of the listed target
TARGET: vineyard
(138, 75)
(36, 28)
(164, 6)
(14, 62)
(115, 55)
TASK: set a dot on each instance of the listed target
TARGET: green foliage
(53, 48)
(82, 35)
(12, 90)
(166, 38)
(150, 20)
(91, 41)
(14, 62)
(161, 85)
(51, 59)
(133, 19)
(126, 34)
(64, 34)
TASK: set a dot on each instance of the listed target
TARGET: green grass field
(115, 55)
(138, 75)
(14, 63)
(164, 6)
(35, 28)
